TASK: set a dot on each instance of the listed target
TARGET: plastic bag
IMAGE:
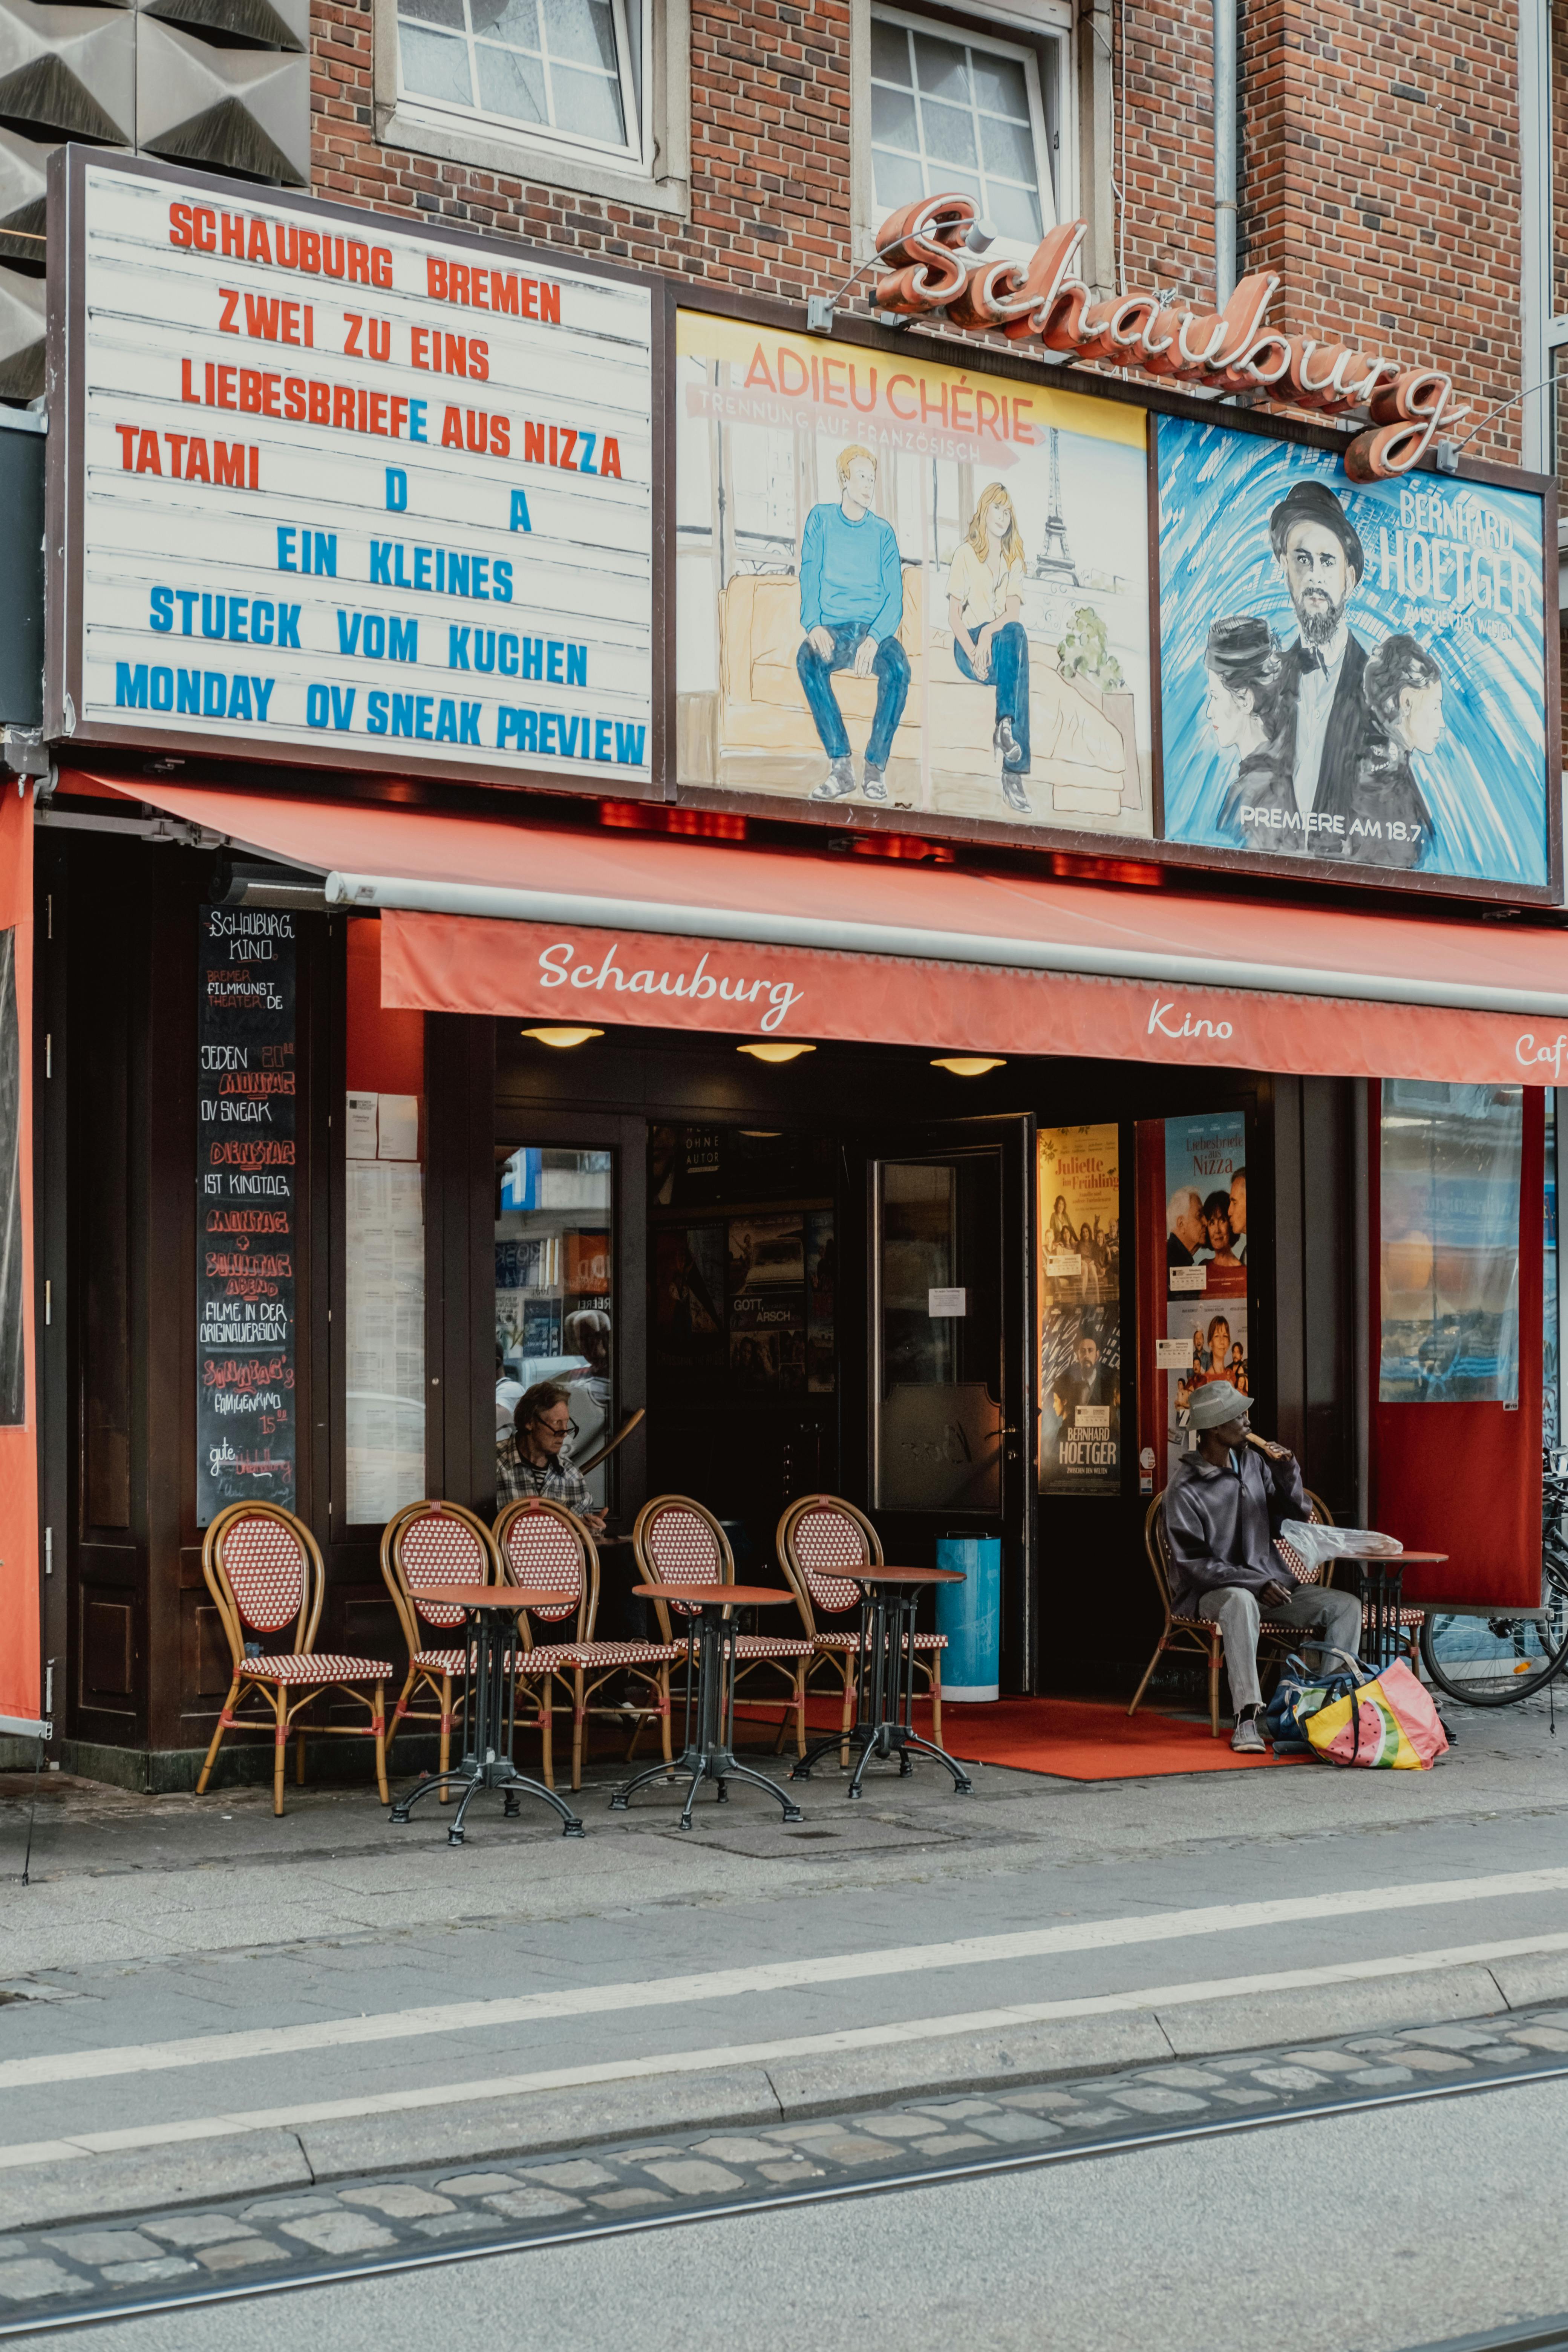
(1317, 1544)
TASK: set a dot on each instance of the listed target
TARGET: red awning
(491, 915)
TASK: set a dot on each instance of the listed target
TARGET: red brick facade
(1379, 167)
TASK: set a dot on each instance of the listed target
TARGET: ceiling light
(563, 1036)
(969, 1066)
(762, 1134)
(775, 1053)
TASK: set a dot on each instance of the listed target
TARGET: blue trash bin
(970, 1614)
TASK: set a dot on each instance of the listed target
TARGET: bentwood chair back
(263, 1568)
(426, 1547)
(544, 1546)
(677, 1541)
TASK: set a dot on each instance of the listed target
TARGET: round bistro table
(709, 1753)
(489, 1705)
(886, 1682)
(1382, 1596)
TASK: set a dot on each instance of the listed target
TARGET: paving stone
(534, 2204)
(1380, 2078)
(1148, 2101)
(1089, 2119)
(953, 2110)
(240, 2253)
(893, 2127)
(795, 2169)
(399, 2200)
(289, 2208)
(577, 2173)
(1233, 2065)
(1504, 2053)
(849, 2147)
(148, 2274)
(690, 2176)
(1542, 2037)
(1289, 2078)
(477, 2184)
(1376, 2046)
(728, 2149)
(1182, 2078)
(455, 2225)
(34, 2276)
(1330, 2062)
(949, 2143)
(100, 2246)
(1435, 2062)
(1242, 2098)
(193, 2229)
(1017, 2130)
(1047, 2099)
(622, 2200)
(340, 2232)
(1449, 2037)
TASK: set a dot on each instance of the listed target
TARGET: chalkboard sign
(247, 1189)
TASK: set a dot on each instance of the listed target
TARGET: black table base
(708, 1752)
(489, 1721)
(886, 1695)
(1382, 1598)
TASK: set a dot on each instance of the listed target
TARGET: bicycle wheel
(1495, 1661)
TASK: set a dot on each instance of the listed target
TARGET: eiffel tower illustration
(1054, 561)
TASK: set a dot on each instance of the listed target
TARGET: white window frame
(652, 170)
(1013, 30)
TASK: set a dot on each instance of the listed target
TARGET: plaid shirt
(557, 1482)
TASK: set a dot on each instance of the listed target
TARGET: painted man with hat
(1320, 560)
(1227, 1501)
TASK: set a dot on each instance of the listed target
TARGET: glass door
(555, 1303)
(939, 1426)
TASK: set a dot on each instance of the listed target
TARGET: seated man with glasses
(533, 1460)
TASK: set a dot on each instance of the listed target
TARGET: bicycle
(1496, 1661)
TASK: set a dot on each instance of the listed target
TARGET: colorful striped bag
(1389, 1723)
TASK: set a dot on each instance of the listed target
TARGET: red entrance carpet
(1076, 1738)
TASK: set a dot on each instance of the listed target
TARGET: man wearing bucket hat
(1227, 1501)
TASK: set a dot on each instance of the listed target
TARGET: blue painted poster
(1357, 674)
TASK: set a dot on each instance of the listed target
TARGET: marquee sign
(1046, 302)
(333, 488)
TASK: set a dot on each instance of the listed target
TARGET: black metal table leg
(885, 1724)
(710, 1750)
(490, 1719)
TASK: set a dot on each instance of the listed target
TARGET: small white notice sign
(1189, 1277)
(1061, 1263)
(947, 1302)
(398, 1125)
(1092, 1416)
(361, 1144)
(1172, 1355)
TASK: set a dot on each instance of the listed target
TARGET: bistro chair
(264, 1571)
(677, 1542)
(546, 1547)
(424, 1547)
(821, 1540)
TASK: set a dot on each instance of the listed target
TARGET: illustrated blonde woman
(985, 605)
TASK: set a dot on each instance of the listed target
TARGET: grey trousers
(1238, 1615)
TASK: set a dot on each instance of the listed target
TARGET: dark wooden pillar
(460, 1259)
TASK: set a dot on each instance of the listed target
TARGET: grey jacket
(1221, 1523)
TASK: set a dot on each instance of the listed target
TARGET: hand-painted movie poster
(1206, 1265)
(901, 585)
(1081, 1310)
(1348, 672)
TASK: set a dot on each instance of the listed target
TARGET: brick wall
(1378, 169)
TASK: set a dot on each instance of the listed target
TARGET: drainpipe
(1224, 151)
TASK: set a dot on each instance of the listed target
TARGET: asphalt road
(1371, 2233)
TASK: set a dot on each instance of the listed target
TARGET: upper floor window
(975, 115)
(566, 70)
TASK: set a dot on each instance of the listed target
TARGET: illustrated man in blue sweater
(851, 603)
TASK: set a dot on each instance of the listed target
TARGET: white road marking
(761, 2054)
(767, 1975)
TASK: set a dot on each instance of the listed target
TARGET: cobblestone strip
(50, 2270)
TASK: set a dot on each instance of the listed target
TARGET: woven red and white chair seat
(307, 1667)
(1267, 1625)
(852, 1641)
(442, 1662)
(625, 1654)
(771, 1645)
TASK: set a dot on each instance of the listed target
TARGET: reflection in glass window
(952, 114)
(1450, 1192)
(561, 66)
(555, 1242)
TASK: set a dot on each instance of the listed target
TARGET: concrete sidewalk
(918, 1942)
